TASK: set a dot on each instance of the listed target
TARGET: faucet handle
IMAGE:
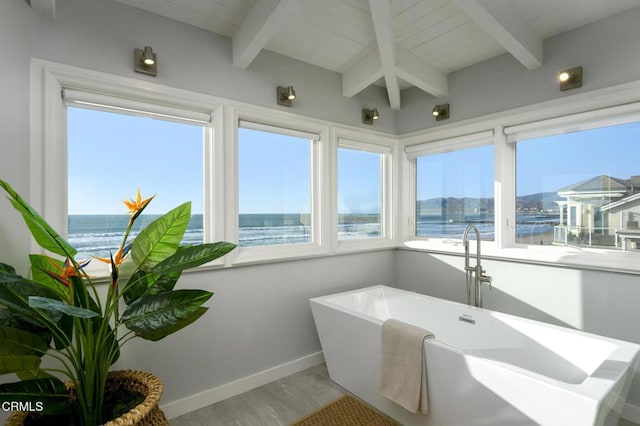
(486, 279)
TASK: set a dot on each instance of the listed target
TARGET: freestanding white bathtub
(483, 367)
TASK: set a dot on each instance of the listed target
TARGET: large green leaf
(56, 305)
(32, 374)
(24, 288)
(141, 284)
(41, 263)
(14, 341)
(164, 276)
(179, 325)
(7, 268)
(152, 313)
(192, 256)
(81, 295)
(13, 301)
(42, 232)
(12, 319)
(136, 286)
(161, 238)
(17, 303)
(50, 392)
(15, 363)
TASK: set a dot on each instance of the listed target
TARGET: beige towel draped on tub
(403, 375)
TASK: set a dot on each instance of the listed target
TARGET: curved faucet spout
(477, 270)
(465, 241)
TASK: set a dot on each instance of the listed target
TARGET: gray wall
(260, 315)
(608, 50)
(603, 303)
(259, 318)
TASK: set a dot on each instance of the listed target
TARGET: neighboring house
(602, 210)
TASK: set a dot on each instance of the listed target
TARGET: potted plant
(58, 314)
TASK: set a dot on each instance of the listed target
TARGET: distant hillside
(453, 205)
(542, 201)
(539, 201)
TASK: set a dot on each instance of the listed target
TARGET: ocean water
(526, 226)
(97, 235)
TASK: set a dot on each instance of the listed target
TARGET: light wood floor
(275, 404)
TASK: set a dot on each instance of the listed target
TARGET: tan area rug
(346, 411)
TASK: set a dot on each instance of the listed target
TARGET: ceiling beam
(381, 15)
(46, 7)
(257, 29)
(421, 74)
(362, 75)
(503, 23)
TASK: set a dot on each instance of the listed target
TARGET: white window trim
(619, 104)
(288, 124)
(48, 160)
(388, 148)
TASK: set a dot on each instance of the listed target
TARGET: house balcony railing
(584, 236)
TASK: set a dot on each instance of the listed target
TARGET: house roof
(602, 183)
(622, 202)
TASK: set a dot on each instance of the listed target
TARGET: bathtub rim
(595, 387)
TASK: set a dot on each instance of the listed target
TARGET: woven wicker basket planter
(147, 413)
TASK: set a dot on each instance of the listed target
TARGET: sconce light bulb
(290, 93)
(147, 56)
(435, 113)
(564, 76)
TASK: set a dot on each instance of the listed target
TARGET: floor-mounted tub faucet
(477, 270)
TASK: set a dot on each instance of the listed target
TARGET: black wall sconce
(369, 115)
(145, 61)
(285, 95)
(570, 79)
(441, 112)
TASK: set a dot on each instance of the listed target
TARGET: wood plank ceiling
(393, 43)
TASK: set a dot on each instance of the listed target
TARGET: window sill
(261, 254)
(356, 245)
(569, 257)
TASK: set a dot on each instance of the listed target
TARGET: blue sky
(549, 163)
(111, 155)
(274, 173)
(359, 181)
(543, 164)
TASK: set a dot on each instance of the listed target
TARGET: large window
(580, 188)
(274, 186)
(110, 157)
(453, 190)
(360, 193)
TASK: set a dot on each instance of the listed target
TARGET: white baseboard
(631, 412)
(202, 399)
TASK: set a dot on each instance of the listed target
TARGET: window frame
(47, 191)
(414, 151)
(48, 142)
(613, 105)
(319, 191)
(573, 123)
(48, 183)
(388, 148)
